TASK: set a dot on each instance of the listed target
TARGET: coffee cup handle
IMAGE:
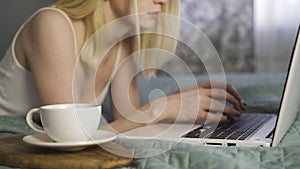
(31, 123)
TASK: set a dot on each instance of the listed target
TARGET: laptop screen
(289, 105)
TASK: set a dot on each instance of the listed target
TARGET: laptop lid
(289, 105)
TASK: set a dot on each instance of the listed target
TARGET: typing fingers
(212, 116)
(224, 95)
(217, 106)
(228, 87)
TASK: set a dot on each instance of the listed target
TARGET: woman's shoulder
(48, 29)
(49, 23)
(50, 17)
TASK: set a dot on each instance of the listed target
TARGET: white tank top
(17, 90)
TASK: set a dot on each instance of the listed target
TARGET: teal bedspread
(262, 93)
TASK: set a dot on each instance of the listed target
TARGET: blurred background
(12, 15)
(249, 35)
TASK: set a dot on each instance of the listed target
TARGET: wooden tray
(15, 153)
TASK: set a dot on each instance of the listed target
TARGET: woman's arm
(188, 106)
(197, 103)
(51, 57)
(50, 54)
(124, 90)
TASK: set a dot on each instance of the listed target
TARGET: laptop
(250, 130)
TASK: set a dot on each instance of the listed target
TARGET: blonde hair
(92, 13)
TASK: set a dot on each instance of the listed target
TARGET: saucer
(42, 140)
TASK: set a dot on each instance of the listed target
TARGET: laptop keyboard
(238, 129)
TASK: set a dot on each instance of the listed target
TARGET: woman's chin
(147, 25)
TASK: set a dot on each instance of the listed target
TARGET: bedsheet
(262, 94)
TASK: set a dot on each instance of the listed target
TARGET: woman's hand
(201, 102)
(219, 88)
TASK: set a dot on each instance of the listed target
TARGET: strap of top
(101, 96)
(120, 48)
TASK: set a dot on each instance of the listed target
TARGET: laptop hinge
(271, 134)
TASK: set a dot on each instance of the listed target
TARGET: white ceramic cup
(67, 122)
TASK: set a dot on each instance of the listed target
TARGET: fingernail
(243, 102)
(238, 107)
(238, 114)
(239, 97)
(224, 118)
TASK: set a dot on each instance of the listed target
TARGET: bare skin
(45, 47)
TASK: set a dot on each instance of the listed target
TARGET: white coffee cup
(67, 122)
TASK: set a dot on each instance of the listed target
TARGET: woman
(38, 68)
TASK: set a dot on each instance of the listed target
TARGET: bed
(262, 93)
